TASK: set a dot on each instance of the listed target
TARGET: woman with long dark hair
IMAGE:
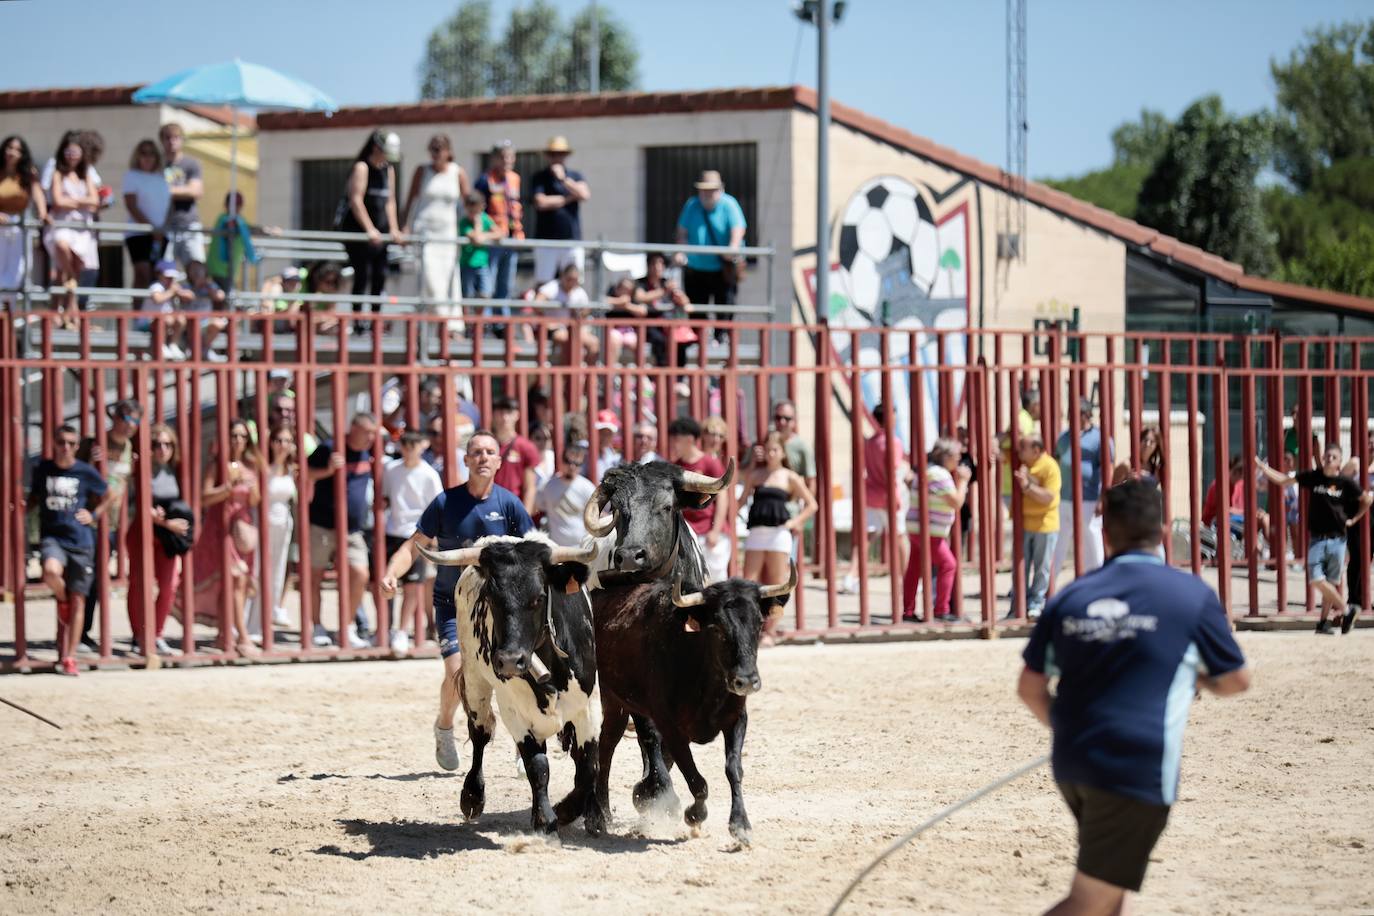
(19, 188)
(227, 499)
(74, 200)
(772, 529)
(164, 491)
(370, 207)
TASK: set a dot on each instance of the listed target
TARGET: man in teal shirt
(712, 217)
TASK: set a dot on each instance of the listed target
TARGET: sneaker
(87, 647)
(915, 618)
(66, 667)
(215, 356)
(849, 585)
(172, 351)
(162, 647)
(445, 748)
(354, 641)
(400, 642)
(280, 618)
(1352, 613)
(1324, 628)
(321, 637)
(1033, 613)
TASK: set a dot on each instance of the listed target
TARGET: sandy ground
(299, 788)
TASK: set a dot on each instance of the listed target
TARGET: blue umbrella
(239, 85)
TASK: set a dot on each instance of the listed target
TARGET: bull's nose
(629, 558)
(511, 664)
(743, 685)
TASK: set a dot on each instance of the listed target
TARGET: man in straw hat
(558, 194)
(712, 217)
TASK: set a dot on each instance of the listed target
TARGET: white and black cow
(525, 628)
(688, 663)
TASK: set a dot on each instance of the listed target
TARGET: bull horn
(462, 556)
(573, 554)
(592, 519)
(701, 483)
(681, 600)
(777, 591)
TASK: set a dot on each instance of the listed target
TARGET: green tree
(1325, 93)
(1136, 145)
(1345, 265)
(536, 53)
(457, 63)
(1203, 189)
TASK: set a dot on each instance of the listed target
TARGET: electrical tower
(1011, 207)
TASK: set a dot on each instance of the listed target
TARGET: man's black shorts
(1115, 834)
(78, 566)
(416, 574)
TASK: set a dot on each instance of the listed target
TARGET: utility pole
(595, 55)
(823, 162)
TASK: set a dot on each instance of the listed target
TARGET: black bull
(525, 627)
(688, 664)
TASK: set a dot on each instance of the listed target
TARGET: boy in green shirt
(477, 226)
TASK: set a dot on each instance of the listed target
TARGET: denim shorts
(1324, 559)
(446, 623)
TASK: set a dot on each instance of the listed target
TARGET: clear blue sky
(934, 68)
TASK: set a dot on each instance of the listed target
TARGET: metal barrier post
(1221, 413)
(891, 445)
(826, 545)
(1194, 466)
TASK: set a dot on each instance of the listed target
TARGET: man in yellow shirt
(1039, 480)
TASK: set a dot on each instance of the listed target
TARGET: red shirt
(699, 520)
(875, 469)
(517, 456)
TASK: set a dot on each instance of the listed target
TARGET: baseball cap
(279, 373)
(292, 273)
(393, 147)
(167, 267)
(606, 419)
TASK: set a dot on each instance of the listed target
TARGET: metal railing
(1237, 392)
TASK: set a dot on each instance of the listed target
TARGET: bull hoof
(594, 818)
(742, 832)
(647, 792)
(695, 813)
(473, 799)
(567, 810)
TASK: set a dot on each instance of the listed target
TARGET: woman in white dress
(281, 494)
(436, 192)
(74, 200)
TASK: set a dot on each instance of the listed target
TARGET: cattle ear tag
(573, 587)
(690, 625)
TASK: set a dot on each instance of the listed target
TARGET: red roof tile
(76, 97)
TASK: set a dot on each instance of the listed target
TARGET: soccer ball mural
(899, 266)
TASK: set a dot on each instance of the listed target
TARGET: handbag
(245, 536)
(731, 268)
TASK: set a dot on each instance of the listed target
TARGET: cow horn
(681, 600)
(463, 556)
(592, 519)
(573, 554)
(701, 483)
(777, 591)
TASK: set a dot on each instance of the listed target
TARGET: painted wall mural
(900, 259)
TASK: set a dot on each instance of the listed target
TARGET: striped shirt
(940, 502)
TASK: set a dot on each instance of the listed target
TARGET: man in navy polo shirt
(458, 517)
(1130, 644)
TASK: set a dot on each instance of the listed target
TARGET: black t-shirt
(564, 222)
(357, 480)
(1334, 501)
(59, 493)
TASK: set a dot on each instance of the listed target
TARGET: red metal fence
(972, 379)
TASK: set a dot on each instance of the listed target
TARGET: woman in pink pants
(946, 483)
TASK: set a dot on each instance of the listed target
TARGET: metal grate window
(670, 171)
(322, 189)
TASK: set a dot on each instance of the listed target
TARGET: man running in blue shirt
(458, 517)
(1130, 644)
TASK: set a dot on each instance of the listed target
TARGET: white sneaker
(321, 637)
(280, 618)
(849, 585)
(354, 640)
(162, 647)
(445, 748)
(215, 356)
(400, 642)
(172, 351)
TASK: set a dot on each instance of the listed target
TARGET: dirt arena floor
(313, 788)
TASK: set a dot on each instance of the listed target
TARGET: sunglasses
(238, 435)
(163, 443)
(431, 433)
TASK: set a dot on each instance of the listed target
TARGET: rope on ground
(923, 827)
(30, 712)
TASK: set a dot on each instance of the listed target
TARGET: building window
(322, 191)
(669, 172)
